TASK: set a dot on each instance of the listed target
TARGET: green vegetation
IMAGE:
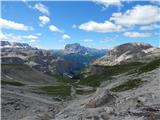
(14, 83)
(82, 92)
(94, 80)
(108, 72)
(150, 66)
(16, 66)
(130, 84)
(62, 79)
(57, 90)
(24, 73)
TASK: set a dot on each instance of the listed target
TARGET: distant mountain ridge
(80, 55)
(49, 61)
(6, 44)
(78, 49)
(129, 52)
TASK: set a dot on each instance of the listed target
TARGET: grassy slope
(24, 74)
(109, 71)
(57, 90)
(107, 74)
(150, 66)
(130, 84)
(14, 83)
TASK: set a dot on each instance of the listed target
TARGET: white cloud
(27, 4)
(65, 37)
(88, 40)
(53, 28)
(109, 2)
(41, 8)
(30, 37)
(150, 27)
(32, 41)
(15, 38)
(44, 20)
(136, 34)
(7, 24)
(2, 36)
(39, 34)
(100, 27)
(139, 15)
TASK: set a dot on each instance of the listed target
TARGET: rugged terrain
(125, 85)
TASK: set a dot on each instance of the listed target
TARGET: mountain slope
(129, 52)
(126, 90)
(23, 74)
(126, 96)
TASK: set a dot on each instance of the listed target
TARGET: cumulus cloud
(136, 34)
(107, 26)
(30, 37)
(139, 15)
(41, 8)
(65, 37)
(44, 20)
(109, 2)
(15, 38)
(88, 40)
(7, 24)
(150, 27)
(53, 28)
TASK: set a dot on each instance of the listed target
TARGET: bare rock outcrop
(100, 98)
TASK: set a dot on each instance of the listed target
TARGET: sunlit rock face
(129, 52)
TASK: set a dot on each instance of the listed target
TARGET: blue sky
(104, 24)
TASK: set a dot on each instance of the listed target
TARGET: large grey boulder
(101, 97)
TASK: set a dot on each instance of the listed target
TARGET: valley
(96, 92)
(80, 59)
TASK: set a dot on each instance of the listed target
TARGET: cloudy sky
(98, 24)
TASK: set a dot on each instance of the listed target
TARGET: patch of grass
(94, 80)
(14, 83)
(130, 84)
(56, 90)
(150, 66)
(63, 79)
(82, 92)
(16, 66)
(108, 72)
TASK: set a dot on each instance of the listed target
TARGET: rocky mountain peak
(6, 44)
(128, 52)
(74, 48)
(130, 48)
(79, 49)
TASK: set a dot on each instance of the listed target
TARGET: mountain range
(117, 84)
(73, 58)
